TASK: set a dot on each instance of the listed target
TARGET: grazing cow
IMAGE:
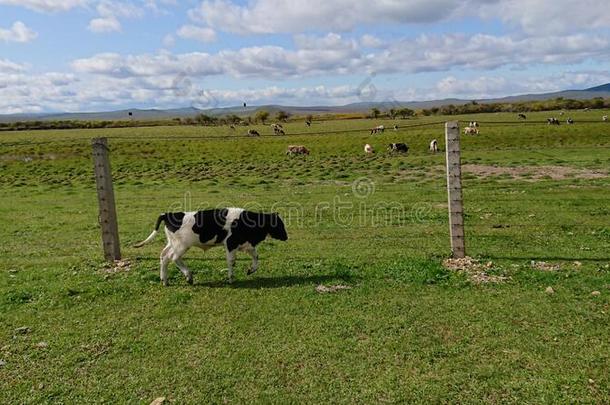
(473, 124)
(379, 128)
(471, 131)
(278, 129)
(234, 228)
(395, 127)
(569, 121)
(308, 123)
(605, 118)
(398, 147)
(253, 132)
(552, 121)
(368, 149)
(433, 146)
(297, 150)
(522, 116)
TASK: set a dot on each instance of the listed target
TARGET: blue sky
(88, 55)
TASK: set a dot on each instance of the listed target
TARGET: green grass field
(408, 330)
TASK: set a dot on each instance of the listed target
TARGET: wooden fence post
(454, 189)
(105, 196)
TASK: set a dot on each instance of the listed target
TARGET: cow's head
(276, 227)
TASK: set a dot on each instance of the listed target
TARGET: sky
(99, 55)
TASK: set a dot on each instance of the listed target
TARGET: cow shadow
(277, 282)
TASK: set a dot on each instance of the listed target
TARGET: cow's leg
(175, 255)
(185, 270)
(164, 261)
(230, 263)
(251, 250)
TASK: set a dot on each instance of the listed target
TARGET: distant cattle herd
(396, 147)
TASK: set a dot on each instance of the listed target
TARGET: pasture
(408, 329)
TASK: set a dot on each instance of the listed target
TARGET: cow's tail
(150, 238)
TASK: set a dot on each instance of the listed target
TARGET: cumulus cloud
(291, 16)
(333, 54)
(67, 92)
(316, 56)
(371, 41)
(104, 24)
(544, 17)
(272, 16)
(45, 5)
(109, 14)
(500, 86)
(18, 32)
(25, 92)
(6, 66)
(202, 34)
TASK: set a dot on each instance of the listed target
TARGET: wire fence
(526, 214)
(311, 133)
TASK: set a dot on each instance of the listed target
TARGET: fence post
(454, 189)
(105, 196)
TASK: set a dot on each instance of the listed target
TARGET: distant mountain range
(155, 114)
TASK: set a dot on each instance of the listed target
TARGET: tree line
(263, 116)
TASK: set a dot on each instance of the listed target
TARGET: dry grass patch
(534, 172)
(477, 273)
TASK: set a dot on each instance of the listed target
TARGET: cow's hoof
(165, 283)
(190, 280)
(251, 271)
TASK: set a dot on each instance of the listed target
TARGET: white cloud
(294, 16)
(169, 41)
(371, 41)
(272, 16)
(500, 86)
(23, 91)
(18, 32)
(544, 17)
(6, 66)
(104, 24)
(109, 14)
(46, 5)
(265, 61)
(333, 54)
(202, 34)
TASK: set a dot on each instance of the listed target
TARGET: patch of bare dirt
(534, 172)
(477, 273)
(544, 266)
(118, 266)
(322, 289)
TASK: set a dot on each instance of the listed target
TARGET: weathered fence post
(105, 196)
(454, 189)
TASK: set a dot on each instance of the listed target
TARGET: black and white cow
(398, 147)
(234, 228)
(522, 116)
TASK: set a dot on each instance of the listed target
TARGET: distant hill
(603, 87)
(156, 114)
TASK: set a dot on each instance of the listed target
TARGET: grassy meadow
(408, 329)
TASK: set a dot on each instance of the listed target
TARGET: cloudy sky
(88, 55)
